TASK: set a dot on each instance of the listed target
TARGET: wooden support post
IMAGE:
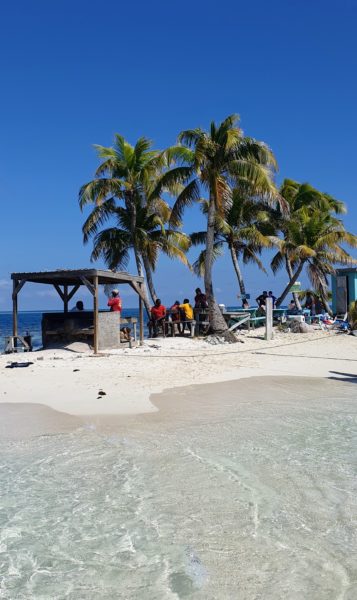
(65, 298)
(14, 308)
(141, 318)
(95, 314)
(268, 318)
(73, 291)
(59, 291)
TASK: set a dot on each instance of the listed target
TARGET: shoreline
(174, 407)
(71, 382)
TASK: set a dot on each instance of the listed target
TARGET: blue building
(344, 289)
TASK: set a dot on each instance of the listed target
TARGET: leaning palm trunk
(290, 284)
(149, 279)
(291, 274)
(144, 293)
(237, 270)
(217, 322)
(131, 208)
(325, 303)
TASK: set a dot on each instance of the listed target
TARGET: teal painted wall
(333, 288)
(352, 287)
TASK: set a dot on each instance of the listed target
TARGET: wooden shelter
(68, 282)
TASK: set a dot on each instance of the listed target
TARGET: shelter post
(269, 319)
(65, 298)
(14, 308)
(141, 317)
(95, 313)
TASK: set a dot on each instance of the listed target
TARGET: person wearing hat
(115, 302)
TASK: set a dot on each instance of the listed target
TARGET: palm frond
(199, 265)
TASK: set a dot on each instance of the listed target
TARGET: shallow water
(239, 490)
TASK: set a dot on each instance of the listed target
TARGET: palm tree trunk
(149, 279)
(291, 274)
(217, 322)
(131, 208)
(237, 270)
(143, 289)
(326, 303)
(290, 284)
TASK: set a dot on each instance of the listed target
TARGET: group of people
(179, 316)
(261, 301)
(312, 303)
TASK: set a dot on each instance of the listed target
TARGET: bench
(164, 326)
(256, 321)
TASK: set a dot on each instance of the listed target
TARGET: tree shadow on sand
(345, 377)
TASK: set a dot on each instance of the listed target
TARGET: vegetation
(312, 238)
(352, 315)
(244, 231)
(214, 163)
(123, 192)
(231, 176)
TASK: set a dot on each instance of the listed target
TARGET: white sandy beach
(69, 381)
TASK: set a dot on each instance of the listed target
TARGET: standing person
(270, 295)
(187, 314)
(115, 302)
(310, 303)
(201, 306)
(245, 304)
(260, 300)
(319, 307)
(158, 314)
(200, 299)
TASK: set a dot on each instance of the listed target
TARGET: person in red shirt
(115, 302)
(158, 314)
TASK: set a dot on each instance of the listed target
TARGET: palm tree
(149, 238)
(313, 238)
(245, 230)
(123, 189)
(214, 162)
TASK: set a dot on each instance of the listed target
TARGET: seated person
(292, 308)
(125, 334)
(158, 314)
(79, 307)
(115, 302)
(200, 299)
(175, 317)
(186, 315)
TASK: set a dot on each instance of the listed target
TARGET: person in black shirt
(261, 299)
(200, 299)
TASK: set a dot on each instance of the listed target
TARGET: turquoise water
(248, 491)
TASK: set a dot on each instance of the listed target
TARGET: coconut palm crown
(123, 192)
(210, 164)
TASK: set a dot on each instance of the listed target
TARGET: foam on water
(248, 492)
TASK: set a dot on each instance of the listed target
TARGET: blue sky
(73, 73)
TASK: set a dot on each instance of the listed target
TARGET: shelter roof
(346, 270)
(74, 276)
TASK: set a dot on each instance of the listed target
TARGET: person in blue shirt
(270, 295)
